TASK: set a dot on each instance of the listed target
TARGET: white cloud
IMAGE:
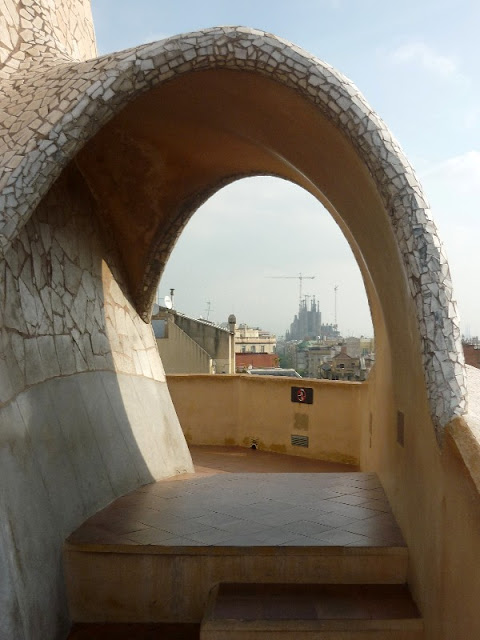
(472, 119)
(460, 173)
(420, 53)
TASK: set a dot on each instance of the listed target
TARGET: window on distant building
(262, 349)
(252, 348)
(244, 348)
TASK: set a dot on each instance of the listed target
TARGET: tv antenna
(300, 279)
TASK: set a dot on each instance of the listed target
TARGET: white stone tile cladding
(64, 310)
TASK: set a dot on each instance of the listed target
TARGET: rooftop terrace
(245, 514)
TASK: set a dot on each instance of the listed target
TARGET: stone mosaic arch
(52, 108)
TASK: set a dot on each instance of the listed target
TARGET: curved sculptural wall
(103, 163)
(326, 99)
(85, 414)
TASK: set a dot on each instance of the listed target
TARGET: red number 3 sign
(301, 395)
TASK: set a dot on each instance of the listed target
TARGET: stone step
(238, 611)
(140, 583)
(152, 631)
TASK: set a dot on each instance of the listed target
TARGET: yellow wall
(236, 410)
(438, 508)
(433, 491)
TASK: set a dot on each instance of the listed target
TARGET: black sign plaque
(304, 395)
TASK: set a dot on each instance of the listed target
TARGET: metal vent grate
(299, 441)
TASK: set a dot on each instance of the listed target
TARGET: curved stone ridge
(49, 116)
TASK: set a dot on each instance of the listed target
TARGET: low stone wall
(245, 410)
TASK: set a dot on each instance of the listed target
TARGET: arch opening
(242, 252)
(185, 150)
(172, 148)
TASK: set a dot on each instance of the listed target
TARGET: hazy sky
(416, 62)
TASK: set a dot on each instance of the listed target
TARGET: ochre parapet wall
(244, 410)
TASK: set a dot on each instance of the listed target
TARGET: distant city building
(471, 352)
(254, 340)
(318, 350)
(310, 356)
(344, 367)
(187, 345)
(329, 331)
(367, 346)
(323, 358)
(316, 356)
(353, 347)
(251, 360)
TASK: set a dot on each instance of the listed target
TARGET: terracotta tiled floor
(239, 497)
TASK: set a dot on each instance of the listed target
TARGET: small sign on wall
(304, 395)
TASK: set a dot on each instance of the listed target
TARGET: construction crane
(209, 308)
(335, 289)
(300, 278)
